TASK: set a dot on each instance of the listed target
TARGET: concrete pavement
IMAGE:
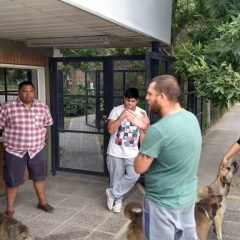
(80, 200)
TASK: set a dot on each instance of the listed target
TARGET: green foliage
(93, 52)
(89, 52)
(211, 58)
(75, 105)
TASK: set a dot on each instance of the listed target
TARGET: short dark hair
(168, 85)
(131, 93)
(24, 83)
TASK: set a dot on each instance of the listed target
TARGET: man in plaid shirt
(23, 123)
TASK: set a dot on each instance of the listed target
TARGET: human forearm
(142, 134)
(113, 125)
(142, 163)
(235, 148)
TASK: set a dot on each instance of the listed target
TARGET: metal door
(77, 99)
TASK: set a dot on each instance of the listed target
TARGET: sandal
(47, 208)
(9, 213)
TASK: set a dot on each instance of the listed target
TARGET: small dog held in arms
(12, 229)
(205, 210)
(221, 186)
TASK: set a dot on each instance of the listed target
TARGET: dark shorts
(14, 168)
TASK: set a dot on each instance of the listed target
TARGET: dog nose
(224, 178)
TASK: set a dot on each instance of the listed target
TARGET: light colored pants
(162, 223)
(122, 176)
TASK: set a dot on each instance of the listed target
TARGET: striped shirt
(24, 129)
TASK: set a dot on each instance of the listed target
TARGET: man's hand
(141, 121)
(113, 125)
(223, 164)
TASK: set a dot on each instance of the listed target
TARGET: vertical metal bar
(54, 107)
(60, 94)
(97, 99)
(108, 77)
(86, 98)
(201, 122)
(155, 62)
(29, 75)
(124, 83)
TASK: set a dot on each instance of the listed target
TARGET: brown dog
(12, 229)
(221, 186)
(133, 211)
(205, 211)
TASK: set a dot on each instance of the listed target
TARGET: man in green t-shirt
(169, 157)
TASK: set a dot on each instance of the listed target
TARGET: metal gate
(83, 92)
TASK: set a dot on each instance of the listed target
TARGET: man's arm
(234, 149)
(113, 125)
(142, 163)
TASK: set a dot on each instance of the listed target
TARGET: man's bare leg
(40, 190)
(11, 193)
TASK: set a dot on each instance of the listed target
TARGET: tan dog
(205, 211)
(12, 229)
(221, 186)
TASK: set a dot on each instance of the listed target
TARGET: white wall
(148, 17)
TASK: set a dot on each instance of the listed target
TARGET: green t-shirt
(175, 143)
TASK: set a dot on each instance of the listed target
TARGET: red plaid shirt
(24, 129)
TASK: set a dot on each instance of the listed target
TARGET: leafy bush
(213, 65)
(73, 106)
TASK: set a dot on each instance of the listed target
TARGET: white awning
(86, 23)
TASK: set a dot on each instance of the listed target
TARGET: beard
(155, 108)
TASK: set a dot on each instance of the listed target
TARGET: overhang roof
(55, 23)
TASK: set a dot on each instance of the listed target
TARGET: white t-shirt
(123, 142)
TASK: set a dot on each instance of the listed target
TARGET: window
(9, 80)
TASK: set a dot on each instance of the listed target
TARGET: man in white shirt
(122, 150)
